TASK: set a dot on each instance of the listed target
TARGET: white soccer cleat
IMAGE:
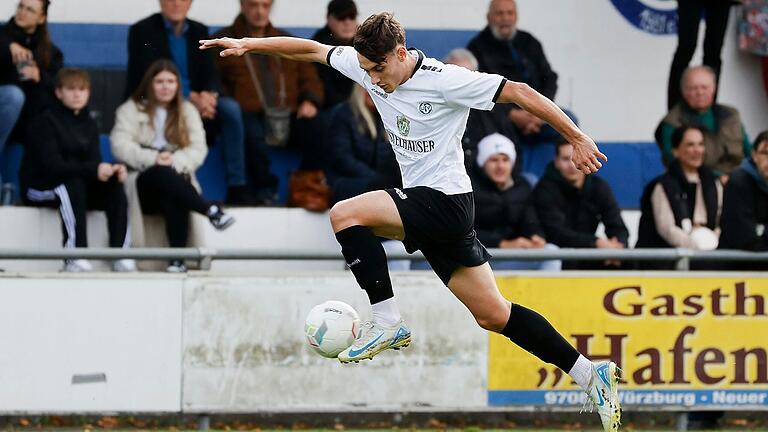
(603, 394)
(375, 338)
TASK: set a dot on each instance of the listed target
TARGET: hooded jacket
(745, 210)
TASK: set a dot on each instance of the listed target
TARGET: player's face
(565, 165)
(699, 90)
(502, 17)
(165, 85)
(690, 152)
(498, 168)
(74, 97)
(760, 156)
(29, 14)
(343, 28)
(175, 10)
(390, 73)
(256, 12)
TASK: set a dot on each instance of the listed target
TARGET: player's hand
(229, 46)
(586, 157)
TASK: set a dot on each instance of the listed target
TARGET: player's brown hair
(73, 77)
(378, 35)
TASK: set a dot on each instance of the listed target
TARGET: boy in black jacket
(62, 168)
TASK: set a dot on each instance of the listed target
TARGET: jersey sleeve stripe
(498, 91)
(328, 57)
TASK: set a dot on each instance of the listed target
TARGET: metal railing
(204, 256)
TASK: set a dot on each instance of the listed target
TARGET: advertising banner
(681, 341)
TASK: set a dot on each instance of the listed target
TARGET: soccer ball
(331, 327)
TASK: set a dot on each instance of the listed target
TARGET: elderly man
(725, 141)
(504, 49)
(341, 24)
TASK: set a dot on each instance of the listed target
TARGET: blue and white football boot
(603, 394)
(375, 338)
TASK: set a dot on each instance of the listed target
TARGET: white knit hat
(493, 144)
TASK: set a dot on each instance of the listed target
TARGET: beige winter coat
(131, 141)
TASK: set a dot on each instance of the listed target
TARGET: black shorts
(441, 226)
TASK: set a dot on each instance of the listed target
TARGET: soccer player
(424, 105)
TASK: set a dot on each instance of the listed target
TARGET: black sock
(532, 332)
(366, 258)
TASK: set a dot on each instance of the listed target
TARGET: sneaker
(124, 265)
(603, 394)
(219, 219)
(77, 266)
(374, 339)
(176, 266)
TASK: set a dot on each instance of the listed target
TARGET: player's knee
(493, 319)
(342, 215)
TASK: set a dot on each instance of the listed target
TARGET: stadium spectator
(570, 205)
(517, 55)
(745, 203)
(171, 35)
(689, 13)
(62, 168)
(682, 207)
(340, 26)
(280, 98)
(504, 213)
(360, 158)
(29, 61)
(480, 124)
(753, 32)
(725, 139)
(160, 136)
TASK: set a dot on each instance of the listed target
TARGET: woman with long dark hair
(160, 137)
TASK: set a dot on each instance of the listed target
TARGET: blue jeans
(232, 135)
(11, 102)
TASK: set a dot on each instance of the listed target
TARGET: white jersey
(425, 117)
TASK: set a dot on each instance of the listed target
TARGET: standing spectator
(171, 35)
(504, 49)
(725, 139)
(570, 205)
(160, 136)
(62, 168)
(340, 26)
(689, 13)
(745, 204)
(262, 83)
(504, 213)
(360, 158)
(753, 32)
(681, 208)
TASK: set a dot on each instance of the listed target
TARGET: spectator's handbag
(277, 119)
(308, 189)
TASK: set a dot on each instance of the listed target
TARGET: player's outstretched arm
(286, 47)
(586, 156)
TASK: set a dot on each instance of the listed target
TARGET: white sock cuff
(581, 372)
(386, 312)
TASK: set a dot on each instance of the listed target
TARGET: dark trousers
(164, 191)
(75, 197)
(689, 15)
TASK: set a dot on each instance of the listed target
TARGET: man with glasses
(745, 204)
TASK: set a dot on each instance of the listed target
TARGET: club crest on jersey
(425, 108)
(403, 125)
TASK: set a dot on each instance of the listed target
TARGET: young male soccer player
(424, 105)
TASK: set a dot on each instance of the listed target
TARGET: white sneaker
(176, 266)
(603, 394)
(374, 339)
(124, 265)
(77, 266)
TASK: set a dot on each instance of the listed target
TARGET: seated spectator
(160, 137)
(360, 158)
(340, 27)
(504, 214)
(29, 62)
(725, 140)
(480, 123)
(504, 49)
(262, 83)
(570, 205)
(745, 204)
(681, 208)
(62, 168)
(171, 35)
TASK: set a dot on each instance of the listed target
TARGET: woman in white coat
(160, 137)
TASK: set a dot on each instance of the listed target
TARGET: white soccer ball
(331, 327)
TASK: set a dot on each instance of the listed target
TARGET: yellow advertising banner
(681, 341)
